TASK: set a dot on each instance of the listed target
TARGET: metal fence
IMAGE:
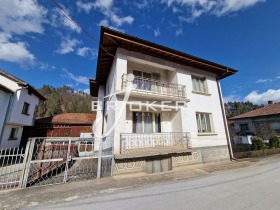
(11, 167)
(58, 160)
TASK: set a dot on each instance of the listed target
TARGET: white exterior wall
(4, 102)
(174, 121)
(6, 142)
(15, 118)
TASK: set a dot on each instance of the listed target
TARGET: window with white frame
(204, 123)
(199, 84)
(146, 122)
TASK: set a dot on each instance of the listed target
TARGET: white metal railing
(154, 142)
(153, 86)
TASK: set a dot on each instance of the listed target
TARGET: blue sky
(40, 46)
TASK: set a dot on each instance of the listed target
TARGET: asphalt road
(256, 187)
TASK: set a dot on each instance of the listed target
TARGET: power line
(66, 15)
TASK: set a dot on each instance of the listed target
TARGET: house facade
(262, 122)
(18, 101)
(162, 108)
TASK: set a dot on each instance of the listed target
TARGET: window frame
(202, 81)
(143, 122)
(13, 134)
(25, 108)
(207, 124)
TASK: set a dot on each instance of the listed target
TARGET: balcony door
(143, 80)
(146, 122)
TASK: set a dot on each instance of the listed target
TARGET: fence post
(26, 162)
(99, 158)
(67, 162)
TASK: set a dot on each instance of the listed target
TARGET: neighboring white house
(18, 101)
(162, 108)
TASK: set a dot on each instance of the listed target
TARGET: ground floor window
(204, 123)
(146, 122)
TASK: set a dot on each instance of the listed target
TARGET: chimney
(270, 102)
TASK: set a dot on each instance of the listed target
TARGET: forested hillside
(237, 108)
(62, 99)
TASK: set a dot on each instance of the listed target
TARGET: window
(199, 84)
(204, 123)
(143, 79)
(244, 127)
(25, 108)
(146, 122)
(13, 134)
(275, 125)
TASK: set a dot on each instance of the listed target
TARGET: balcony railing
(145, 143)
(148, 85)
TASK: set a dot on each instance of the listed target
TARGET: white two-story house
(161, 108)
(18, 101)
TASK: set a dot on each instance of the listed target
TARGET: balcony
(147, 86)
(147, 144)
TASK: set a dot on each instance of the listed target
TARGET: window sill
(207, 134)
(25, 114)
(12, 139)
(201, 93)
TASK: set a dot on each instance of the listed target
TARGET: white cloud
(20, 17)
(59, 20)
(141, 4)
(231, 98)
(78, 79)
(178, 32)
(262, 98)
(14, 51)
(195, 8)
(67, 45)
(278, 77)
(87, 91)
(107, 9)
(157, 32)
(263, 80)
(86, 51)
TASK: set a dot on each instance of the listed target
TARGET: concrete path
(226, 177)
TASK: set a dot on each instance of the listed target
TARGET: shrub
(257, 143)
(274, 141)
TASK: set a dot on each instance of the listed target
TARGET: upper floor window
(25, 108)
(204, 123)
(244, 127)
(13, 134)
(199, 84)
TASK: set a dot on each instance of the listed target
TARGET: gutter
(224, 117)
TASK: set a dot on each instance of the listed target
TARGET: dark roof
(5, 89)
(273, 109)
(22, 84)
(110, 40)
(68, 118)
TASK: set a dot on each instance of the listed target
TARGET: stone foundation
(154, 163)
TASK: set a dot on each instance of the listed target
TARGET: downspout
(224, 117)
(8, 112)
